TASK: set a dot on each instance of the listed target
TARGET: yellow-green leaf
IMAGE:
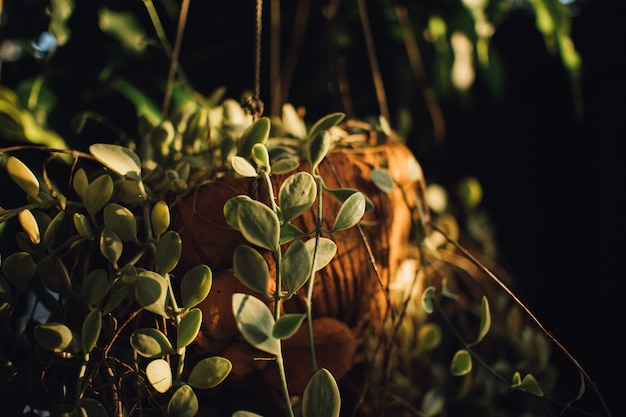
(23, 176)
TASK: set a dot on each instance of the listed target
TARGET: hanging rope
(253, 103)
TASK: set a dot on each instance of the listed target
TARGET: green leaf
(22, 176)
(350, 212)
(111, 245)
(29, 224)
(95, 287)
(432, 403)
(383, 180)
(91, 330)
(93, 408)
(284, 166)
(251, 268)
(183, 403)
(296, 267)
(120, 220)
(461, 363)
(55, 337)
(83, 226)
(325, 123)
(132, 192)
(80, 182)
(528, 384)
(160, 218)
(55, 277)
(188, 328)
(168, 250)
(52, 231)
(289, 232)
(210, 372)
(19, 268)
(117, 158)
(261, 156)
(317, 148)
(428, 336)
(287, 325)
(296, 195)
(159, 375)
(321, 396)
(243, 167)
(342, 194)
(326, 250)
(292, 122)
(230, 210)
(485, 319)
(427, 299)
(255, 322)
(259, 224)
(151, 292)
(150, 343)
(98, 193)
(257, 132)
(195, 285)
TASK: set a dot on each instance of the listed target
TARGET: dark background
(553, 182)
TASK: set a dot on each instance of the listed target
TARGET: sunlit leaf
(261, 156)
(160, 218)
(257, 132)
(168, 250)
(188, 327)
(83, 226)
(98, 193)
(230, 210)
(120, 220)
(159, 375)
(243, 167)
(259, 224)
(485, 319)
(296, 267)
(132, 192)
(350, 212)
(183, 403)
(287, 325)
(150, 343)
(325, 123)
(111, 245)
(91, 330)
(151, 292)
(326, 250)
(296, 195)
(195, 285)
(321, 396)
(80, 182)
(210, 372)
(30, 226)
(528, 384)
(317, 149)
(251, 268)
(55, 337)
(22, 176)
(255, 322)
(119, 159)
(461, 363)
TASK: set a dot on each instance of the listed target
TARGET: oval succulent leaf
(196, 285)
(98, 193)
(326, 250)
(383, 180)
(117, 158)
(296, 267)
(111, 245)
(429, 337)
(91, 330)
(293, 123)
(243, 167)
(23, 176)
(210, 372)
(342, 194)
(80, 182)
(55, 337)
(83, 226)
(485, 319)
(284, 166)
(287, 325)
(52, 231)
(160, 218)
(461, 363)
(19, 268)
(151, 292)
(188, 328)
(150, 343)
(159, 375)
(29, 224)
(251, 268)
(318, 147)
(528, 384)
(325, 123)
(255, 322)
(257, 132)
(95, 287)
(168, 250)
(230, 210)
(296, 195)
(261, 156)
(350, 212)
(120, 220)
(321, 396)
(259, 224)
(183, 403)
(132, 192)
